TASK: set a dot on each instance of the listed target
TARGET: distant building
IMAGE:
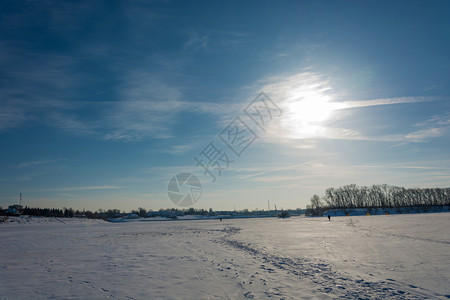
(132, 216)
(165, 213)
(14, 210)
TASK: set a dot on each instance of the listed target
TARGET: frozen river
(396, 256)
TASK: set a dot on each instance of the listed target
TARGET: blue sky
(103, 102)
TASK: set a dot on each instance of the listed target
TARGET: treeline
(65, 213)
(142, 212)
(99, 214)
(71, 213)
(380, 196)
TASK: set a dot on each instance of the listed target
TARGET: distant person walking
(329, 218)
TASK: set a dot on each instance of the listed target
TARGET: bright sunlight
(307, 106)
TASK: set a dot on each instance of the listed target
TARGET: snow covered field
(395, 256)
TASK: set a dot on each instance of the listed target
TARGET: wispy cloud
(180, 149)
(82, 188)
(16, 178)
(35, 86)
(385, 101)
(214, 40)
(434, 127)
(147, 108)
(11, 115)
(436, 120)
(195, 40)
(38, 163)
(68, 122)
(423, 134)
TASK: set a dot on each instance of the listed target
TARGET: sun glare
(306, 111)
(306, 100)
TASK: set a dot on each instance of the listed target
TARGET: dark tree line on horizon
(98, 214)
(380, 196)
(141, 212)
(65, 213)
(60, 213)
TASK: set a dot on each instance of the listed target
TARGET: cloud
(304, 48)
(413, 165)
(16, 178)
(385, 101)
(196, 41)
(60, 87)
(214, 39)
(11, 115)
(149, 107)
(38, 163)
(66, 88)
(134, 120)
(35, 86)
(436, 120)
(146, 106)
(69, 123)
(180, 149)
(423, 134)
(434, 127)
(83, 188)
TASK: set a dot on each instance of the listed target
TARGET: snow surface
(365, 257)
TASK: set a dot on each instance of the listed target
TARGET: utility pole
(20, 199)
(268, 205)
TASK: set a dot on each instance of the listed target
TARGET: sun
(310, 107)
(308, 104)
(306, 111)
